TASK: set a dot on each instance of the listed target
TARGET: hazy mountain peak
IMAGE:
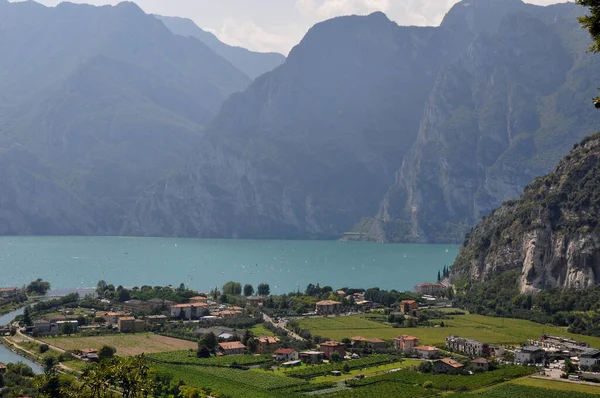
(481, 15)
(252, 63)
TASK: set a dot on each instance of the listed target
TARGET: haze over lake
(77, 262)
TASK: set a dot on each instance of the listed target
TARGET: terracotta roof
(232, 345)
(328, 302)
(285, 351)
(127, 318)
(89, 351)
(408, 301)
(452, 362)
(332, 343)
(268, 339)
(189, 305)
(375, 340)
(406, 338)
(8, 289)
(425, 348)
(358, 338)
(199, 298)
(480, 360)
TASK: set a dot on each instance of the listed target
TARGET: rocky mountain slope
(96, 103)
(500, 114)
(487, 101)
(549, 235)
(252, 63)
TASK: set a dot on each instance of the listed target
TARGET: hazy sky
(277, 25)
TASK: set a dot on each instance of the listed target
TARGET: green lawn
(260, 330)
(482, 328)
(557, 385)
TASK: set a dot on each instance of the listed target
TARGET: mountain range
(113, 121)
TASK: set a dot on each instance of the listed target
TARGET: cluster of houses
(553, 347)
(7, 293)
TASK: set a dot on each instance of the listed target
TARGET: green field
(478, 327)
(260, 330)
(511, 390)
(233, 383)
(558, 385)
(372, 371)
(189, 358)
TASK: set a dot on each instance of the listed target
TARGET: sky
(278, 25)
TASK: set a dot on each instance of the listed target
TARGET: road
(283, 325)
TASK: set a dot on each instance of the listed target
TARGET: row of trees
(232, 288)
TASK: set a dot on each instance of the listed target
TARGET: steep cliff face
(550, 234)
(499, 115)
(309, 148)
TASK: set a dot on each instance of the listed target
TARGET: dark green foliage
(106, 352)
(263, 289)
(38, 287)
(232, 288)
(248, 290)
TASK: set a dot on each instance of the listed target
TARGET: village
(257, 329)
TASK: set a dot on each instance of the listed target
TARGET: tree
(67, 328)
(442, 324)
(439, 276)
(106, 352)
(232, 288)
(101, 288)
(336, 357)
(248, 290)
(264, 289)
(27, 316)
(346, 368)
(44, 348)
(210, 341)
(591, 22)
(123, 295)
(569, 367)
(38, 287)
(203, 352)
(425, 367)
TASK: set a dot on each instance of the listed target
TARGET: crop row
(189, 358)
(319, 370)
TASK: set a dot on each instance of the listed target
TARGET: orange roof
(232, 345)
(127, 318)
(358, 338)
(480, 360)
(199, 298)
(332, 343)
(425, 348)
(452, 362)
(8, 289)
(189, 305)
(408, 301)
(285, 351)
(89, 351)
(268, 339)
(328, 302)
(406, 338)
(375, 340)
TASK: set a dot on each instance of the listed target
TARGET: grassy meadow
(478, 327)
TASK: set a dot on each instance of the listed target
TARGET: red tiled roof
(268, 339)
(480, 360)
(233, 345)
(332, 343)
(425, 348)
(406, 338)
(452, 362)
(375, 340)
(408, 301)
(285, 351)
(328, 302)
(358, 338)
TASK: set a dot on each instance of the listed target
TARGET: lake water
(6, 355)
(78, 262)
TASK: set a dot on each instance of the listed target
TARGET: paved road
(283, 325)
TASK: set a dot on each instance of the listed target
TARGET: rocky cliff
(550, 234)
(500, 114)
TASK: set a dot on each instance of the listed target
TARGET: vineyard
(411, 383)
(514, 390)
(233, 382)
(189, 358)
(309, 372)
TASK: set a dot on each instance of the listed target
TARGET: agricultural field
(234, 383)
(510, 390)
(482, 328)
(126, 344)
(557, 385)
(405, 384)
(370, 371)
(308, 372)
(189, 358)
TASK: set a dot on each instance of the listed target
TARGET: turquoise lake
(78, 262)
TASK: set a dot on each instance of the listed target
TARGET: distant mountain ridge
(467, 113)
(252, 63)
